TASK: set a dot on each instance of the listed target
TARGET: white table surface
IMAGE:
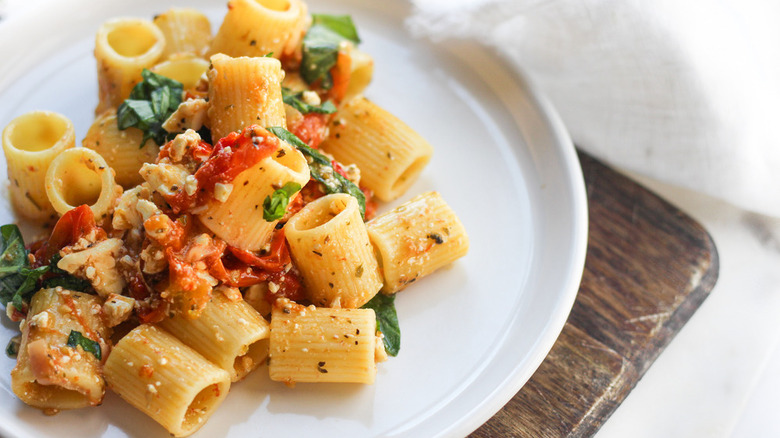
(720, 376)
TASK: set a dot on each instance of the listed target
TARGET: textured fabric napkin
(683, 91)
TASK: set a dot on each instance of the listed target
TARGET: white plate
(473, 333)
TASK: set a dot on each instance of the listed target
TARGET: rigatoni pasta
(229, 333)
(167, 380)
(185, 68)
(261, 27)
(123, 48)
(30, 142)
(64, 343)
(314, 344)
(415, 239)
(362, 71)
(186, 31)
(389, 153)
(81, 176)
(237, 218)
(244, 91)
(329, 243)
(120, 148)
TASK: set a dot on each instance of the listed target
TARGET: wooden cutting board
(647, 270)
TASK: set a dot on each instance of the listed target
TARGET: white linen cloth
(683, 91)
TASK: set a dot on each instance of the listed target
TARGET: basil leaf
(151, 102)
(320, 46)
(12, 349)
(150, 82)
(13, 257)
(76, 339)
(17, 280)
(295, 100)
(322, 170)
(68, 282)
(64, 278)
(339, 24)
(275, 206)
(386, 321)
(29, 280)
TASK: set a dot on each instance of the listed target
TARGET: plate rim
(571, 163)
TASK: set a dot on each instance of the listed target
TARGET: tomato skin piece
(311, 129)
(178, 231)
(72, 226)
(290, 286)
(371, 204)
(239, 268)
(137, 287)
(341, 74)
(339, 168)
(276, 259)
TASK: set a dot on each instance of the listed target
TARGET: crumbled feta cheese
(311, 98)
(191, 114)
(126, 214)
(154, 263)
(98, 265)
(190, 185)
(183, 142)
(231, 293)
(41, 320)
(117, 309)
(166, 179)
(147, 209)
(222, 191)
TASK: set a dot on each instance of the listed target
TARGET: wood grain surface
(647, 270)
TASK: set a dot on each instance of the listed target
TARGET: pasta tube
(120, 148)
(185, 30)
(165, 379)
(361, 72)
(30, 142)
(186, 69)
(388, 152)
(330, 246)
(259, 27)
(81, 176)
(415, 239)
(244, 91)
(238, 219)
(64, 342)
(314, 344)
(123, 48)
(229, 333)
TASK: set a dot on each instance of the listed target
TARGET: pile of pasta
(218, 217)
